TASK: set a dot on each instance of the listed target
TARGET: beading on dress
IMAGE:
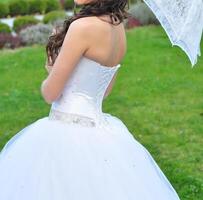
(72, 118)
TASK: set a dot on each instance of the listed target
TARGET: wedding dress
(78, 152)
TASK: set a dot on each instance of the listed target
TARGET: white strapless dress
(78, 152)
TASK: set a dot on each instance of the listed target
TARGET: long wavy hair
(116, 9)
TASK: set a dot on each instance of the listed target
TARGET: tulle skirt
(52, 160)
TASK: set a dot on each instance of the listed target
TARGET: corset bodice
(84, 91)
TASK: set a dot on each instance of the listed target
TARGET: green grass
(5, 1)
(157, 95)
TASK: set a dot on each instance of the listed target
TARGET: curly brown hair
(116, 9)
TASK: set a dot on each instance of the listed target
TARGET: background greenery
(28, 7)
(157, 95)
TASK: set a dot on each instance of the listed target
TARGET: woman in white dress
(78, 152)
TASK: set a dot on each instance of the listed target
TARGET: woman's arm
(74, 46)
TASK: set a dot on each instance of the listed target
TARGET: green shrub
(24, 21)
(37, 6)
(4, 28)
(17, 7)
(68, 4)
(4, 10)
(135, 1)
(52, 5)
(53, 16)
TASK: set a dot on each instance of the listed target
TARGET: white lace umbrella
(183, 23)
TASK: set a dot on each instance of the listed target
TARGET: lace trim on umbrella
(170, 31)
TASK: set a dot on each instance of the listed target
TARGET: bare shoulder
(86, 21)
(89, 24)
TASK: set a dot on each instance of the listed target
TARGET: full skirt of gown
(52, 160)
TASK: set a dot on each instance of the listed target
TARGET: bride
(78, 152)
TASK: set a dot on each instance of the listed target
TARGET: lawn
(5, 1)
(157, 95)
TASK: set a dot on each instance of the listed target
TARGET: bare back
(108, 42)
(93, 38)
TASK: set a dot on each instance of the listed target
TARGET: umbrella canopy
(183, 23)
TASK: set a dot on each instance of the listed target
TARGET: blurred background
(157, 94)
(26, 22)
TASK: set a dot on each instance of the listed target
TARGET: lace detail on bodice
(81, 99)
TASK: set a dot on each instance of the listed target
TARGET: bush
(43, 6)
(24, 21)
(135, 1)
(53, 16)
(68, 4)
(9, 41)
(37, 6)
(131, 22)
(36, 34)
(17, 7)
(143, 14)
(58, 23)
(4, 10)
(52, 5)
(4, 28)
